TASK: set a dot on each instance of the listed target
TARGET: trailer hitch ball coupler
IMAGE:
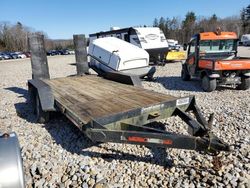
(215, 145)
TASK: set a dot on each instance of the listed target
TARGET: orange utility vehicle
(212, 56)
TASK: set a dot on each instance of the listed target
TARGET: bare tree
(15, 38)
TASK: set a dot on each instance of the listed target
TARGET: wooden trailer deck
(90, 97)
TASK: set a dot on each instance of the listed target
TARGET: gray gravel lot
(56, 154)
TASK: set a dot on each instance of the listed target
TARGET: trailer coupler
(211, 144)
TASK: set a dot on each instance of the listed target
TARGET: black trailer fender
(44, 92)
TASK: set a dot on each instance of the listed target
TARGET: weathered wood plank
(91, 97)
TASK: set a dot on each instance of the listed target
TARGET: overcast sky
(60, 19)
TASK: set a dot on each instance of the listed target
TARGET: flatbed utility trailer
(109, 111)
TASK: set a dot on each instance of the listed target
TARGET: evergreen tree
(245, 19)
(188, 25)
(155, 23)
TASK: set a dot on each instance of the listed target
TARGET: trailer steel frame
(126, 120)
(133, 126)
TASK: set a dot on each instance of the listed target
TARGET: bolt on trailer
(115, 108)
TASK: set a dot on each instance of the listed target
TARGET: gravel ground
(56, 154)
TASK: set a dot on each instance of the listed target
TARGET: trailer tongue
(109, 111)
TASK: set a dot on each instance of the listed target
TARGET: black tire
(245, 83)
(162, 57)
(208, 84)
(185, 76)
(41, 116)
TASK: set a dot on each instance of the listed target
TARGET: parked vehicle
(13, 55)
(212, 56)
(1, 57)
(9, 55)
(27, 54)
(173, 44)
(52, 52)
(245, 40)
(62, 52)
(20, 55)
(174, 53)
(151, 39)
(5, 56)
(65, 52)
(111, 54)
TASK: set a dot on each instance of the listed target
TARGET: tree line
(182, 30)
(14, 37)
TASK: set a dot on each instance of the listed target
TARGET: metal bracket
(195, 128)
(45, 94)
(119, 77)
(123, 78)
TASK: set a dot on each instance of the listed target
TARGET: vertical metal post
(39, 62)
(81, 54)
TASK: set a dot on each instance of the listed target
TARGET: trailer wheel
(41, 116)
(208, 84)
(245, 83)
(184, 74)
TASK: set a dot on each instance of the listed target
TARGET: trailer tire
(41, 116)
(208, 84)
(184, 74)
(245, 83)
